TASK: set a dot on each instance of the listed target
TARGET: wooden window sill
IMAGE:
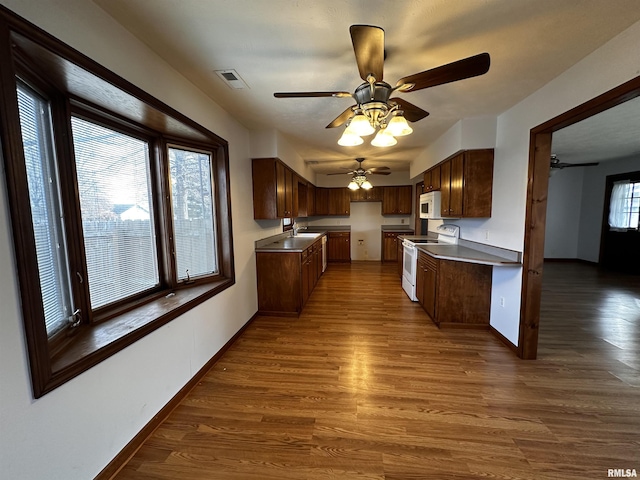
(95, 343)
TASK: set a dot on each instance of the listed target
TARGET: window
(624, 208)
(120, 206)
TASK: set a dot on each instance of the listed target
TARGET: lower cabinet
(390, 246)
(454, 293)
(400, 259)
(286, 279)
(339, 247)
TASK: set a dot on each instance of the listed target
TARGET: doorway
(536, 206)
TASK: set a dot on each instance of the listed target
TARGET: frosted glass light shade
(398, 126)
(383, 139)
(350, 140)
(366, 185)
(353, 186)
(360, 126)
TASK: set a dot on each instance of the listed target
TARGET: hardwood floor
(364, 386)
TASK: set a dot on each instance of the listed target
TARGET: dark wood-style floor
(364, 386)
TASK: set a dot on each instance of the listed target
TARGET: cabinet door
(389, 200)
(305, 289)
(404, 200)
(435, 178)
(281, 190)
(426, 179)
(322, 201)
(390, 247)
(429, 289)
(478, 183)
(311, 200)
(420, 274)
(339, 201)
(400, 255)
(288, 193)
(445, 188)
(456, 185)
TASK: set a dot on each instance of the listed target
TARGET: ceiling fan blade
(377, 169)
(311, 94)
(566, 165)
(380, 173)
(411, 112)
(368, 45)
(342, 118)
(341, 173)
(452, 72)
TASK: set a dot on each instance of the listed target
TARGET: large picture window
(120, 206)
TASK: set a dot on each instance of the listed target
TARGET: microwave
(430, 205)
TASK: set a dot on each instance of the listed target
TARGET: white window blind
(624, 208)
(193, 213)
(46, 213)
(117, 221)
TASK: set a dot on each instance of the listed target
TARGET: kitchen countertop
(417, 238)
(328, 228)
(396, 228)
(461, 253)
(288, 244)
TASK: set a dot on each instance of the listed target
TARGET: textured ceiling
(304, 45)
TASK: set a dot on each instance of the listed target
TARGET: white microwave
(430, 205)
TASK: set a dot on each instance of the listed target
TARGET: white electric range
(448, 234)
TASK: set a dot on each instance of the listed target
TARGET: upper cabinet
(276, 190)
(397, 200)
(465, 182)
(432, 180)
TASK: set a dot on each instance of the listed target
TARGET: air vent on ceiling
(231, 78)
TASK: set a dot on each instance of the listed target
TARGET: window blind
(117, 221)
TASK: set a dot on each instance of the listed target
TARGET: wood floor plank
(363, 386)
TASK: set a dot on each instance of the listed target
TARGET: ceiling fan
(558, 165)
(359, 179)
(374, 109)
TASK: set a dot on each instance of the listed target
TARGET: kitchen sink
(308, 235)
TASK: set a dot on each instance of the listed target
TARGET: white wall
(592, 207)
(563, 213)
(74, 431)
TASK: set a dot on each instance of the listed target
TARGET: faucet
(295, 229)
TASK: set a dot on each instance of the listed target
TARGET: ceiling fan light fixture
(398, 126)
(360, 126)
(366, 185)
(383, 139)
(353, 185)
(349, 139)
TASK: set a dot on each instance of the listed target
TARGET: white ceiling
(304, 45)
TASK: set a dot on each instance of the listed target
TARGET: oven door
(409, 265)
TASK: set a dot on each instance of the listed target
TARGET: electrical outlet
(486, 234)
(402, 221)
(360, 243)
(502, 302)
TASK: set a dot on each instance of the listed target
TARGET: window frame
(44, 64)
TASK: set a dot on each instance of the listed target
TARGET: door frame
(536, 207)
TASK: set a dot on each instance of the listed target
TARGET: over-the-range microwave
(430, 205)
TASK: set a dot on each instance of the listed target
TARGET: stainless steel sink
(308, 235)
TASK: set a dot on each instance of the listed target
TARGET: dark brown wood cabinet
(322, 201)
(361, 195)
(431, 179)
(286, 279)
(400, 259)
(339, 247)
(454, 293)
(311, 200)
(397, 200)
(390, 246)
(467, 184)
(274, 190)
(339, 201)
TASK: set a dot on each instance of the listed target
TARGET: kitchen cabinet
(390, 246)
(467, 184)
(454, 293)
(287, 279)
(339, 201)
(274, 192)
(361, 195)
(431, 180)
(311, 200)
(322, 201)
(339, 247)
(302, 196)
(397, 200)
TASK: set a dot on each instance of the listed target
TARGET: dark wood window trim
(75, 83)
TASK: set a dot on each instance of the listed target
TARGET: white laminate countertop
(461, 253)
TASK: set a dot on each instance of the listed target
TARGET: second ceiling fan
(374, 109)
